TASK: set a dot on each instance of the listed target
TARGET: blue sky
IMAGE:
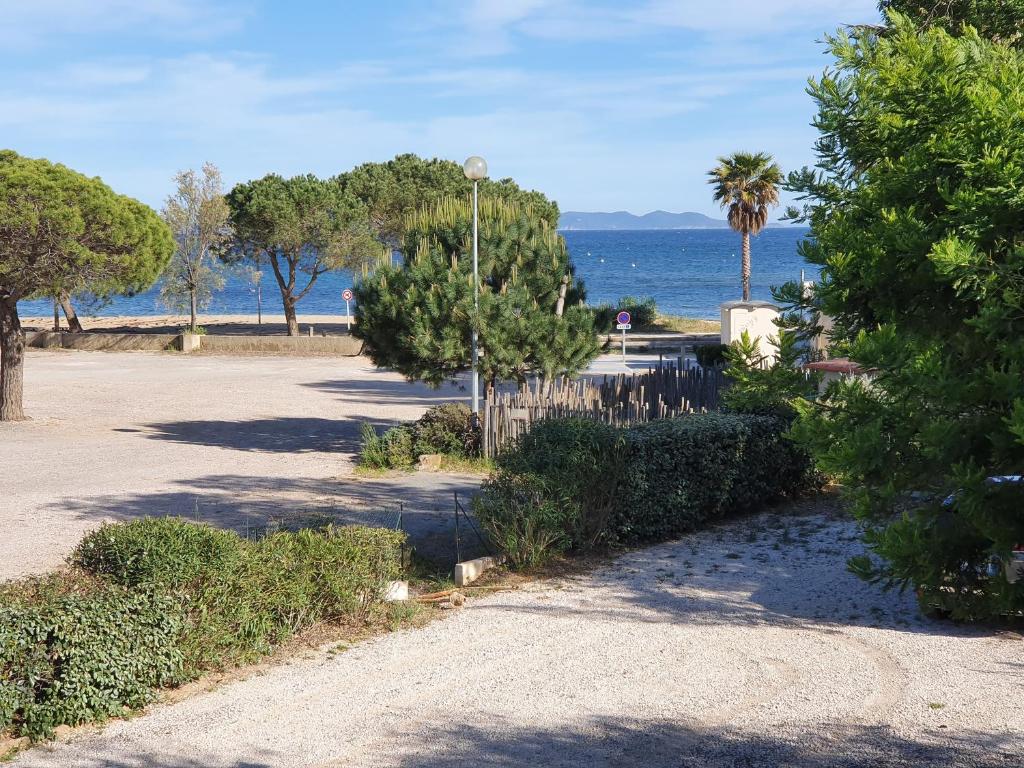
(601, 105)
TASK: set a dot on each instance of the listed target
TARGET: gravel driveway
(236, 441)
(749, 645)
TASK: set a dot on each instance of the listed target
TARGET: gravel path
(749, 645)
(237, 441)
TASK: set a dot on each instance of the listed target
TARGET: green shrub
(524, 517)
(710, 355)
(572, 484)
(392, 450)
(447, 429)
(74, 650)
(643, 310)
(245, 597)
(157, 552)
(554, 490)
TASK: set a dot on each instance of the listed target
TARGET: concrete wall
(345, 346)
(106, 342)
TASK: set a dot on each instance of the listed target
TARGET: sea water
(687, 272)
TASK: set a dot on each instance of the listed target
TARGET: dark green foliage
(643, 313)
(576, 465)
(575, 484)
(710, 355)
(159, 601)
(303, 227)
(917, 215)
(760, 385)
(394, 190)
(240, 598)
(1000, 20)
(73, 650)
(447, 429)
(417, 318)
(157, 552)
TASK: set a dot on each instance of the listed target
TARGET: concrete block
(397, 592)
(191, 342)
(471, 570)
(756, 318)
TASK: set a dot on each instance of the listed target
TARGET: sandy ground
(750, 645)
(214, 324)
(238, 441)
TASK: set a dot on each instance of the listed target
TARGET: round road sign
(623, 318)
(346, 295)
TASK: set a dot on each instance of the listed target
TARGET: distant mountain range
(627, 220)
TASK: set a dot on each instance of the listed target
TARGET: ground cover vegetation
(418, 317)
(156, 602)
(61, 233)
(917, 214)
(448, 430)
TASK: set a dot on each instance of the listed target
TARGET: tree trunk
(74, 324)
(289, 316)
(745, 270)
(560, 306)
(12, 362)
(193, 325)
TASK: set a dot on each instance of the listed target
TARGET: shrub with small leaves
(447, 429)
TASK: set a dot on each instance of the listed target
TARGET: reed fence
(660, 393)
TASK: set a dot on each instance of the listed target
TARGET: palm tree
(747, 184)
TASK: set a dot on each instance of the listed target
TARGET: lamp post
(475, 169)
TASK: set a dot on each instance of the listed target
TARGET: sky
(603, 106)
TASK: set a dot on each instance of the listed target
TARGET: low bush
(74, 650)
(573, 485)
(447, 429)
(157, 601)
(643, 312)
(557, 486)
(710, 355)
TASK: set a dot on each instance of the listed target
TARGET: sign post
(623, 319)
(347, 296)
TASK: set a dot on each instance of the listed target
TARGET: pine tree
(417, 317)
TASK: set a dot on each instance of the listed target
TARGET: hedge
(158, 601)
(596, 485)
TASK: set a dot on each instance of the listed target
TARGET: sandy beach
(234, 325)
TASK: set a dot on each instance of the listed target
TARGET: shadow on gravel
(282, 435)
(245, 504)
(390, 392)
(665, 744)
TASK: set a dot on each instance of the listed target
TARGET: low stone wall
(106, 342)
(344, 346)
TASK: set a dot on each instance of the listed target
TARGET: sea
(688, 272)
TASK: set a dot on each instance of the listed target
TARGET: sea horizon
(688, 272)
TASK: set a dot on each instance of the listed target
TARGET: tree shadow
(279, 435)
(421, 504)
(384, 392)
(665, 743)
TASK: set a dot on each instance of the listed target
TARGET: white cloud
(30, 23)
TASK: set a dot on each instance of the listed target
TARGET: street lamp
(475, 169)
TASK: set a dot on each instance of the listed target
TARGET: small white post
(348, 314)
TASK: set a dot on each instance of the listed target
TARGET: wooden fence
(661, 393)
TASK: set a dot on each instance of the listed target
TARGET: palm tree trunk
(745, 269)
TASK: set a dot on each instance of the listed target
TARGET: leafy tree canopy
(1000, 20)
(61, 232)
(395, 189)
(303, 226)
(417, 317)
(917, 215)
